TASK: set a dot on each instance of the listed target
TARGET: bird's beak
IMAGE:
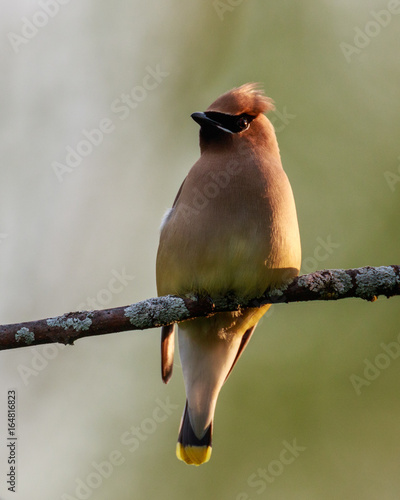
(204, 121)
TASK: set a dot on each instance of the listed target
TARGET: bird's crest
(249, 98)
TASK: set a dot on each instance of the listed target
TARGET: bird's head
(235, 114)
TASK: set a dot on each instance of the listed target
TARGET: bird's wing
(178, 193)
(167, 332)
(245, 340)
(167, 351)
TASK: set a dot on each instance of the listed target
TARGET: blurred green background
(333, 70)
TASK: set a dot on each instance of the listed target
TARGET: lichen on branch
(330, 284)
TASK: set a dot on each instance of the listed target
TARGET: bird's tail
(208, 351)
(190, 448)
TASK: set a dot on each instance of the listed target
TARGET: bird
(232, 229)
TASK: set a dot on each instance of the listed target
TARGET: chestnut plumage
(232, 229)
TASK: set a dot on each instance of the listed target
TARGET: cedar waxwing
(231, 230)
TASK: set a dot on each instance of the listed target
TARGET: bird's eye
(242, 123)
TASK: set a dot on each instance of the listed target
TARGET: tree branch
(365, 283)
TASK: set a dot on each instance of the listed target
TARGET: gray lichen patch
(329, 283)
(154, 312)
(340, 281)
(278, 292)
(369, 280)
(314, 282)
(75, 323)
(25, 336)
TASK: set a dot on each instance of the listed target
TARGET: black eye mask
(233, 123)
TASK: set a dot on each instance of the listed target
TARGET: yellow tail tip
(193, 455)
